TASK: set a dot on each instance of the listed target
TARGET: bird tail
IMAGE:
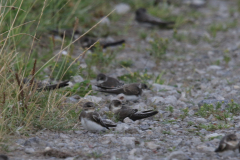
(113, 43)
(218, 149)
(169, 24)
(144, 114)
(54, 86)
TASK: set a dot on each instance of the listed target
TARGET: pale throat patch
(90, 110)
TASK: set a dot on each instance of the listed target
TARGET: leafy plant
(159, 47)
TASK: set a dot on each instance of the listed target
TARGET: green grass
(233, 109)
(24, 38)
(214, 28)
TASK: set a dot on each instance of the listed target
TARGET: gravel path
(196, 72)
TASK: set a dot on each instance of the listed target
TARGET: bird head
(115, 105)
(101, 77)
(89, 107)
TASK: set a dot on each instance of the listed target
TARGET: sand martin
(86, 42)
(143, 17)
(132, 91)
(121, 112)
(66, 32)
(92, 120)
(228, 142)
(46, 87)
(106, 82)
(3, 157)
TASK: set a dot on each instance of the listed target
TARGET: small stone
(93, 99)
(129, 141)
(32, 141)
(236, 87)
(64, 136)
(213, 102)
(77, 79)
(29, 150)
(122, 8)
(201, 120)
(132, 130)
(196, 140)
(144, 127)
(105, 21)
(157, 99)
(158, 129)
(213, 135)
(149, 132)
(214, 67)
(159, 87)
(178, 155)
(152, 145)
(170, 100)
(127, 120)
(122, 127)
(205, 148)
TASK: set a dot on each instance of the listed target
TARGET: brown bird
(46, 87)
(121, 112)
(106, 82)
(228, 142)
(131, 91)
(65, 32)
(92, 120)
(143, 17)
(86, 42)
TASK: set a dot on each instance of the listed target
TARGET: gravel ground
(195, 73)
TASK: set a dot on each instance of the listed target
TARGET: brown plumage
(106, 82)
(128, 89)
(46, 87)
(143, 17)
(121, 112)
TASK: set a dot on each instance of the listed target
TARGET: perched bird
(86, 42)
(228, 142)
(46, 87)
(65, 32)
(106, 82)
(3, 157)
(143, 17)
(131, 91)
(92, 120)
(121, 112)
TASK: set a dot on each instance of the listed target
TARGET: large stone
(159, 87)
(152, 145)
(213, 135)
(29, 150)
(178, 155)
(122, 8)
(129, 141)
(122, 127)
(93, 99)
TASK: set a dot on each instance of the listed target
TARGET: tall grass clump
(27, 51)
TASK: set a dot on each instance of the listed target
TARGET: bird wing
(124, 113)
(157, 21)
(109, 123)
(111, 83)
(143, 114)
(54, 86)
(96, 117)
(132, 90)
